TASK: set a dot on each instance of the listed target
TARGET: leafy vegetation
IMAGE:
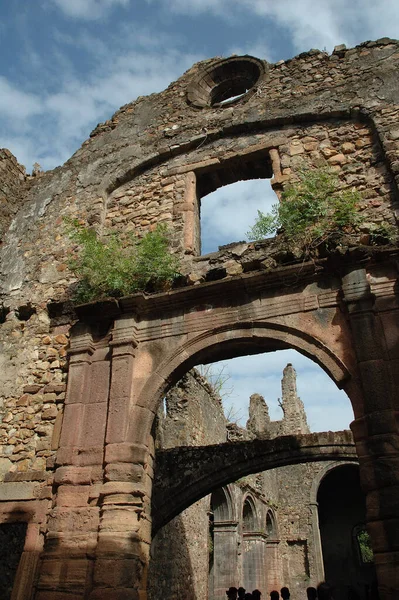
(311, 210)
(114, 267)
(366, 551)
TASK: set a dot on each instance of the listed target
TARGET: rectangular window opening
(228, 199)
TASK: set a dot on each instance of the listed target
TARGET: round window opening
(226, 82)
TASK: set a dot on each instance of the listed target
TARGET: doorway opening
(347, 554)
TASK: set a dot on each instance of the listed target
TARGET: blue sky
(68, 64)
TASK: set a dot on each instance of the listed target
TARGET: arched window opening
(220, 506)
(270, 525)
(363, 544)
(248, 516)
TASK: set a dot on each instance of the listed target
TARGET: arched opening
(270, 525)
(346, 550)
(196, 417)
(294, 390)
(248, 516)
(252, 547)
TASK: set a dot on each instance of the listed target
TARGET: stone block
(117, 573)
(128, 544)
(52, 595)
(18, 491)
(77, 383)
(120, 594)
(386, 444)
(56, 436)
(73, 417)
(383, 503)
(337, 159)
(67, 574)
(385, 535)
(118, 418)
(78, 520)
(130, 453)
(122, 487)
(71, 543)
(379, 472)
(93, 427)
(124, 472)
(73, 475)
(99, 382)
(90, 456)
(73, 495)
(120, 519)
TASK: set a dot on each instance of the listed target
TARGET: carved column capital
(356, 290)
(124, 336)
(81, 343)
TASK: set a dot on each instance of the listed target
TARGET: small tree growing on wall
(311, 210)
(116, 267)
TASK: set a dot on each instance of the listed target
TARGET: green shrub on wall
(114, 267)
(311, 210)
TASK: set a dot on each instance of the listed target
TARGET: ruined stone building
(262, 531)
(84, 490)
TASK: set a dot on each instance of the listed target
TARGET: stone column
(317, 573)
(192, 240)
(124, 537)
(376, 433)
(254, 561)
(225, 552)
(73, 523)
(272, 567)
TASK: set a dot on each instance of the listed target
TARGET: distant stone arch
(222, 505)
(271, 525)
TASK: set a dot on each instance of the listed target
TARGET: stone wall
(12, 188)
(177, 150)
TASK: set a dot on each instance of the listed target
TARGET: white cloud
(88, 9)
(309, 24)
(50, 125)
(15, 103)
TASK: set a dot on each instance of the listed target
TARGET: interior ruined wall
(180, 550)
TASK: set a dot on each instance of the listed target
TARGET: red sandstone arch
(228, 342)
